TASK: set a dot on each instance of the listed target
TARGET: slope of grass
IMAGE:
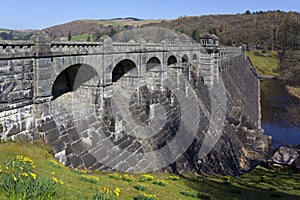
(265, 63)
(82, 37)
(261, 183)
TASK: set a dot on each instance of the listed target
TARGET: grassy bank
(261, 183)
(265, 63)
(82, 37)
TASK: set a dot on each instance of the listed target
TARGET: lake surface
(280, 113)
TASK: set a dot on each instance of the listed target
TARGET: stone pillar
(43, 73)
(206, 62)
(216, 62)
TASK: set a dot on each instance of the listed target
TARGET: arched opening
(72, 78)
(185, 58)
(153, 63)
(195, 57)
(172, 60)
(123, 67)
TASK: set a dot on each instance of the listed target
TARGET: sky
(39, 14)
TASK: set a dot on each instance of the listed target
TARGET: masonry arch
(153, 63)
(172, 60)
(123, 67)
(71, 78)
(195, 57)
(185, 58)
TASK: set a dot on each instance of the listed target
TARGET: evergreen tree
(70, 36)
(88, 38)
(196, 35)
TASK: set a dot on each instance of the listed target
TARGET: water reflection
(280, 113)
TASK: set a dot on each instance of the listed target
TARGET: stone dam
(136, 106)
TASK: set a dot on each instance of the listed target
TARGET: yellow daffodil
(33, 175)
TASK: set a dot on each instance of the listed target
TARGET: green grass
(260, 183)
(82, 37)
(266, 64)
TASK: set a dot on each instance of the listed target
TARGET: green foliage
(69, 36)
(90, 179)
(82, 37)
(196, 35)
(102, 196)
(160, 182)
(140, 187)
(146, 177)
(88, 38)
(266, 63)
(107, 194)
(146, 197)
(19, 182)
(227, 180)
(263, 178)
(125, 177)
(174, 178)
(279, 181)
(189, 193)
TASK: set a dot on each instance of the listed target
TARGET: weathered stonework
(95, 102)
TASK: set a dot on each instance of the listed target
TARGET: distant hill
(267, 29)
(6, 34)
(272, 30)
(80, 27)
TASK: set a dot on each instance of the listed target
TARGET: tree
(70, 36)
(213, 30)
(112, 32)
(88, 38)
(97, 35)
(196, 35)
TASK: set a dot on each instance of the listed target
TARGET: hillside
(6, 34)
(80, 27)
(25, 163)
(272, 30)
(266, 29)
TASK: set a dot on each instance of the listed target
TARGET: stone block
(52, 135)
(73, 135)
(78, 147)
(75, 161)
(58, 146)
(88, 160)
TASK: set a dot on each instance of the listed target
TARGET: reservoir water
(280, 113)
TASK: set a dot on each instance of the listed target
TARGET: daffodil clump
(146, 177)
(56, 164)
(144, 196)
(18, 181)
(90, 179)
(125, 177)
(107, 194)
(174, 178)
(160, 182)
(227, 180)
(189, 193)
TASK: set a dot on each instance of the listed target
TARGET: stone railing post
(42, 43)
(43, 74)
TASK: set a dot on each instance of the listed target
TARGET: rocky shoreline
(295, 91)
(287, 155)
